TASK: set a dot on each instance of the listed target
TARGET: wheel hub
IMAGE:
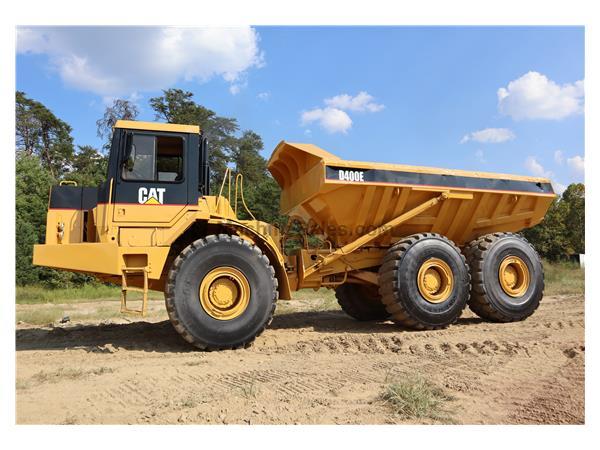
(435, 280)
(224, 293)
(514, 276)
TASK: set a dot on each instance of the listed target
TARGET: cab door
(150, 184)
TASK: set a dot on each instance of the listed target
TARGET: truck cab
(154, 201)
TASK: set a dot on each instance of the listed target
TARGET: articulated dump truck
(413, 245)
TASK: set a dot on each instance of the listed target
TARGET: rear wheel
(361, 302)
(424, 281)
(508, 277)
(221, 292)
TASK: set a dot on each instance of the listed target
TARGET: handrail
(227, 170)
(240, 177)
(67, 183)
(239, 181)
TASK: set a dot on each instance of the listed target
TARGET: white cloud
(559, 157)
(332, 120)
(577, 165)
(360, 103)
(334, 117)
(489, 135)
(534, 96)
(558, 187)
(536, 169)
(235, 88)
(264, 96)
(479, 156)
(116, 61)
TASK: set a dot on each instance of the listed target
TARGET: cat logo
(151, 196)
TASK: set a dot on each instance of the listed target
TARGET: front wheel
(221, 292)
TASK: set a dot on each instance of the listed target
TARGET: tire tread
(172, 276)
(389, 288)
(479, 301)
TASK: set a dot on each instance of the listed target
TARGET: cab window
(154, 158)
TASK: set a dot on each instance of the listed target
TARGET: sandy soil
(307, 368)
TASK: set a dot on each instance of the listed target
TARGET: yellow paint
(156, 126)
(147, 213)
(98, 257)
(435, 280)
(345, 211)
(514, 276)
(224, 293)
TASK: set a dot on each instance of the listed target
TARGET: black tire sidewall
(425, 312)
(361, 302)
(511, 307)
(206, 329)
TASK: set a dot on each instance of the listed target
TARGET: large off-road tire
(424, 281)
(507, 277)
(361, 302)
(221, 292)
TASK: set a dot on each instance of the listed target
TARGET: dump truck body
(346, 202)
(347, 199)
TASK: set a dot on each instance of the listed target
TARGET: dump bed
(347, 199)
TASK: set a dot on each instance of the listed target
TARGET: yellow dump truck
(410, 244)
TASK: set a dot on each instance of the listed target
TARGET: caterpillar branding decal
(431, 179)
(151, 196)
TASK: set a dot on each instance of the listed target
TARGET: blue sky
(477, 98)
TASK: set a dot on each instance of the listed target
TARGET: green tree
(39, 132)
(89, 167)
(33, 183)
(178, 106)
(574, 216)
(562, 232)
(261, 191)
(119, 110)
(247, 158)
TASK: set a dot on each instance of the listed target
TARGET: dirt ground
(307, 368)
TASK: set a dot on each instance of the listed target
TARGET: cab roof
(157, 126)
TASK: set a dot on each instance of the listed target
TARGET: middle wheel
(424, 281)
(361, 302)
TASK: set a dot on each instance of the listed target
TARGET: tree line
(46, 155)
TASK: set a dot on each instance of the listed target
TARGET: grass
(563, 278)
(22, 384)
(414, 397)
(67, 374)
(249, 390)
(309, 300)
(88, 292)
(41, 316)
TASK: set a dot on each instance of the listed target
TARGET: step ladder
(134, 271)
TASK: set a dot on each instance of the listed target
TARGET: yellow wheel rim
(435, 280)
(514, 276)
(224, 293)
